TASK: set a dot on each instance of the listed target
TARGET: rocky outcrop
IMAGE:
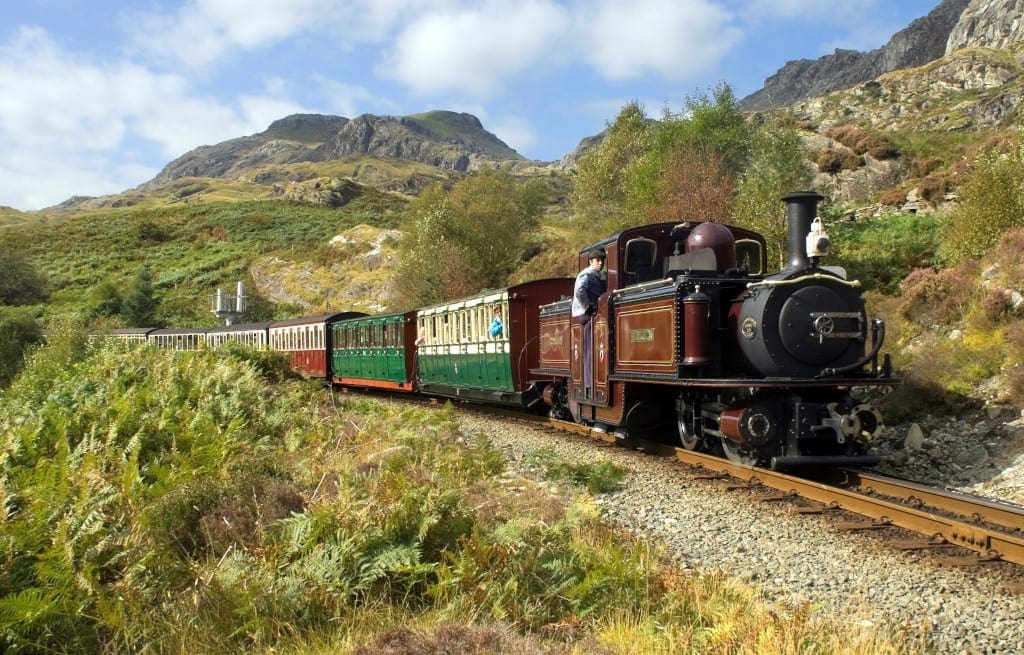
(326, 192)
(233, 158)
(971, 88)
(988, 24)
(924, 40)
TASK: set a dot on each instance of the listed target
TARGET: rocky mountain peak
(449, 140)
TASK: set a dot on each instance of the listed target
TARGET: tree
(680, 167)
(603, 175)
(777, 166)
(20, 283)
(139, 306)
(696, 186)
(473, 237)
(104, 300)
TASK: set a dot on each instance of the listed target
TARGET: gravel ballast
(794, 560)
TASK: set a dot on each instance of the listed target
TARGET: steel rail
(1008, 516)
(992, 544)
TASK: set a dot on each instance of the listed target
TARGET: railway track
(993, 531)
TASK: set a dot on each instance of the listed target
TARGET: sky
(96, 96)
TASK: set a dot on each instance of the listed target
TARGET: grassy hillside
(190, 248)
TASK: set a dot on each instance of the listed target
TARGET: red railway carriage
(307, 340)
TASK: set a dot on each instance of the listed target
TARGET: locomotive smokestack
(801, 207)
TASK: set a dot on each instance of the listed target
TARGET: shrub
(935, 186)
(893, 197)
(1015, 343)
(881, 252)
(930, 297)
(997, 304)
(922, 167)
(830, 161)
(20, 282)
(993, 204)
(18, 331)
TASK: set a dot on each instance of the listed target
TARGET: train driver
(585, 294)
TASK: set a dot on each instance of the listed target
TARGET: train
(691, 341)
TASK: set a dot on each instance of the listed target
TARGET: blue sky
(97, 96)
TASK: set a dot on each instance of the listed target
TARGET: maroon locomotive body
(691, 332)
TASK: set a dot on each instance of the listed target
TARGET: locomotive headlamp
(817, 240)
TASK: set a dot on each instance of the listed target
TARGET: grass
(152, 505)
(198, 247)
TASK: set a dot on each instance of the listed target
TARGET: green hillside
(190, 248)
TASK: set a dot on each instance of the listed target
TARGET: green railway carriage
(459, 355)
(375, 351)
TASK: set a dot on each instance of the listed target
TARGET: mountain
(443, 139)
(924, 40)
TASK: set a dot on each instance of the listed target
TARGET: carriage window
(748, 253)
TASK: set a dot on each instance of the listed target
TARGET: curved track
(992, 530)
(995, 531)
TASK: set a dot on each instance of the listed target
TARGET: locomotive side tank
(691, 332)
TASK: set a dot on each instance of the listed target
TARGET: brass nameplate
(642, 336)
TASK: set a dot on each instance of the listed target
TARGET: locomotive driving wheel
(688, 435)
(738, 454)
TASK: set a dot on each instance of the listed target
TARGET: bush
(922, 167)
(20, 282)
(18, 331)
(894, 197)
(935, 186)
(993, 204)
(944, 297)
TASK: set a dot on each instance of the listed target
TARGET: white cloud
(201, 32)
(351, 100)
(517, 132)
(673, 39)
(475, 49)
(64, 121)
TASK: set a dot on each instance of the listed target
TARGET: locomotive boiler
(691, 330)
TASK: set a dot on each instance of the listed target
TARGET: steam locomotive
(690, 337)
(691, 331)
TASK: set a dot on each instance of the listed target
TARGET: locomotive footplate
(761, 383)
